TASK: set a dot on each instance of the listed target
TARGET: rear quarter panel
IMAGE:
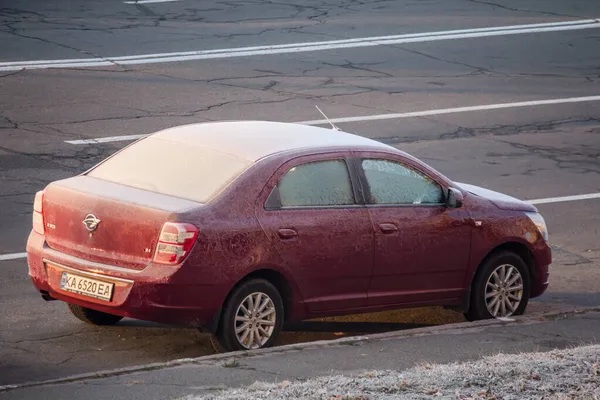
(231, 243)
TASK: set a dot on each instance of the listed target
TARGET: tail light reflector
(175, 242)
(38, 213)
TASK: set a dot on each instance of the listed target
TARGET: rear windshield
(172, 168)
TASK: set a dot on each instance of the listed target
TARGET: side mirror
(454, 198)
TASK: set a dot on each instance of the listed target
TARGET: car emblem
(91, 222)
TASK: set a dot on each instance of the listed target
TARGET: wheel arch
(271, 275)
(516, 247)
(519, 249)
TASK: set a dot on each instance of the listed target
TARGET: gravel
(560, 374)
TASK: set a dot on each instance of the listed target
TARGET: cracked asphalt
(530, 152)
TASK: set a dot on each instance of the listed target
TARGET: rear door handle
(388, 228)
(287, 233)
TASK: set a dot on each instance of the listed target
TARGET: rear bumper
(157, 293)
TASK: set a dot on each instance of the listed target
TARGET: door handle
(388, 228)
(461, 222)
(287, 233)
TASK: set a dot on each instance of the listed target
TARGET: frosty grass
(560, 374)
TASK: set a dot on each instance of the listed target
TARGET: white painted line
(550, 200)
(201, 55)
(366, 39)
(13, 256)
(304, 47)
(106, 139)
(454, 110)
(386, 116)
(589, 196)
(43, 62)
(148, 1)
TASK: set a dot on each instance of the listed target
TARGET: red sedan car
(236, 227)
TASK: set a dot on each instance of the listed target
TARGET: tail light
(38, 213)
(175, 242)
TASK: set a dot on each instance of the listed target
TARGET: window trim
(366, 189)
(353, 179)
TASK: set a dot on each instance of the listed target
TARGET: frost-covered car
(236, 227)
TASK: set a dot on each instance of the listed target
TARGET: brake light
(175, 242)
(38, 213)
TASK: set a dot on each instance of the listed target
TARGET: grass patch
(560, 374)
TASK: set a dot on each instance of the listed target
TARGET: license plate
(86, 286)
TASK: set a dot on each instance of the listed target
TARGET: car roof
(253, 140)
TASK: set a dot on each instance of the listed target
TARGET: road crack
(489, 3)
(478, 70)
(47, 41)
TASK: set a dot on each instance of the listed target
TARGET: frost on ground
(560, 374)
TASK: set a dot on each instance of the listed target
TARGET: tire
(482, 307)
(262, 334)
(92, 316)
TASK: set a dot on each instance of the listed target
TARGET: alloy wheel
(255, 320)
(504, 291)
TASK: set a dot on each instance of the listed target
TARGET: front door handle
(457, 222)
(388, 228)
(287, 233)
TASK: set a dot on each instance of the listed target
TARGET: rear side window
(322, 183)
(393, 183)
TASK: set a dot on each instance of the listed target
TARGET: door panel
(423, 259)
(421, 246)
(329, 252)
(310, 213)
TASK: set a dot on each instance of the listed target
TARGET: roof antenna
(335, 128)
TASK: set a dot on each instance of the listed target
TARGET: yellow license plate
(87, 286)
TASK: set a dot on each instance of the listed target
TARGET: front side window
(322, 183)
(394, 183)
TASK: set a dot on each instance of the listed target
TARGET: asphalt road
(532, 152)
(210, 377)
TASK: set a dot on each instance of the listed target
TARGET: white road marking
(303, 47)
(453, 110)
(384, 116)
(106, 139)
(13, 256)
(548, 200)
(563, 199)
(148, 1)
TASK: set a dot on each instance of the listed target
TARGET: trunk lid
(122, 224)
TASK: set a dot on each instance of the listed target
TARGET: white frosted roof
(198, 161)
(253, 140)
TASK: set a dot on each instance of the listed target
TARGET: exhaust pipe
(46, 296)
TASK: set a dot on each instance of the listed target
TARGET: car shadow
(304, 326)
(380, 323)
(384, 321)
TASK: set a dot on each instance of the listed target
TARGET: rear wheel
(252, 317)
(92, 316)
(501, 288)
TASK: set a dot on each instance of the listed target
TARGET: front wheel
(252, 317)
(500, 288)
(92, 316)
